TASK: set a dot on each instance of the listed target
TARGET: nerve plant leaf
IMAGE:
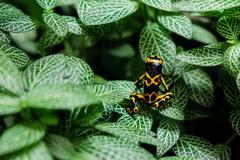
(10, 76)
(224, 151)
(200, 87)
(202, 35)
(9, 104)
(23, 135)
(9, 9)
(153, 41)
(159, 4)
(195, 147)
(108, 11)
(235, 121)
(108, 148)
(4, 37)
(47, 4)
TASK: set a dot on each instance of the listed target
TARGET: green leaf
(229, 27)
(234, 12)
(10, 77)
(238, 82)
(17, 56)
(47, 4)
(200, 87)
(205, 5)
(61, 97)
(74, 25)
(182, 67)
(178, 24)
(142, 123)
(4, 37)
(17, 23)
(202, 35)
(232, 60)
(195, 147)
(153, 41)
(196, 112)
(202, 56)
(38, 151)
(127, 133)
(9, 105)
(21, 135)
(56, 22)
(224, 152)
(159, 4)
(83, 7)
(108, 11)
(60, 147)
(235, 120)
(108, 148)
(9, 9)
(168, 133)
(223, 46)
(65, 2)
(50, 39)
(175, 158)
(232, 94)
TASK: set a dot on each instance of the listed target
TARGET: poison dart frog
(151, 79)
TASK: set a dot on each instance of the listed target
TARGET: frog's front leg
(134, 97)
(161, 100)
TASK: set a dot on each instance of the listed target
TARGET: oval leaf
(168, 133)
(17, 23)
(108, 11)
(202, 56)
(153, 41)
(23, 135)
(232, 60)
(229, 27)
(224, 152)
(195, 147)
(202, 35)
(74, 25)
(9, 9)
(200, 87)
(47, 4)
(10, 77)
(4, 37)
(9, 105)
(56, 23)
(178, 24)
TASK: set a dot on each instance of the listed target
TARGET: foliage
(54, 104)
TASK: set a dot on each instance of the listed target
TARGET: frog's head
(155, 60)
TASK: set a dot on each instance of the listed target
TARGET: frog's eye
(135, 109)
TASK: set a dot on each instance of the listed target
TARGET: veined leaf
(232, 94)
(38, 151)
(235, 120)
(47, 4)
(195, 147)
(143, 123)
(9, 9)
(83, 7)
(43, 71)
(223, 46)
(168, 133)
(10, 77)
(9, 105)
(56, 22)
(60, 147)
(50, 39)
(61, 97)
(182, 67)
(23, 135)
(17, 56)
(174, 112)
(74, 25)
(229, 27)
(234, 12)
(202, 56)
(196, 112)
(200, 87)
(224, 151)
(65, 2)
(153, 41)
(208, 13)
(232, 60)
(205, 5)
(127, 133)
(4, 37)
(178, 24)
(17, 23)
(202, 35)
(159, 4)
(108, 148)
(108, 11)
(238, 82)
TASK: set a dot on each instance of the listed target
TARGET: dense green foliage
(54, 104)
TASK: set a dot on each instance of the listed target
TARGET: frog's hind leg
(161, 100)
(134, 97)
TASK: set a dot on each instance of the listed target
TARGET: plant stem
(230, 139)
